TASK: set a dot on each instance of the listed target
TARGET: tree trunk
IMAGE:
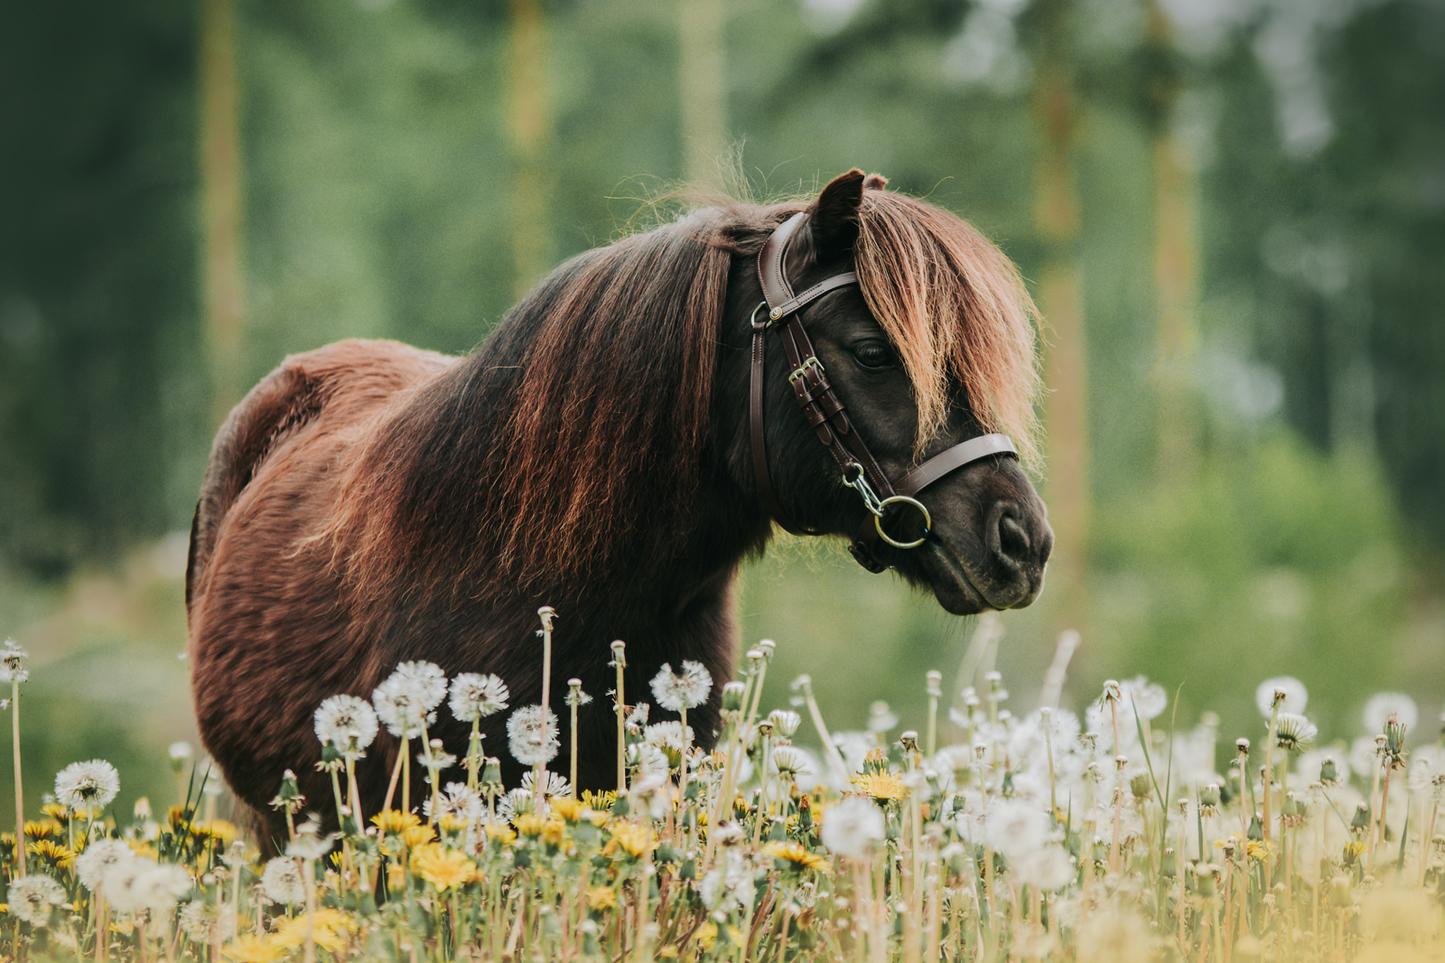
(220, 163)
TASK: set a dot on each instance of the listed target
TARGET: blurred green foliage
(380, 184)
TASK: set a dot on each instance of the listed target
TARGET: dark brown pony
(370, 503)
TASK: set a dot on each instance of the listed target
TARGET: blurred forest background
(1231, 211)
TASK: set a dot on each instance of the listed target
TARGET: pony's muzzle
(1019, 544)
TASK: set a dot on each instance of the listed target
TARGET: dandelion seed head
(31, 898)
(684, 689)
(99, 856)
(553, 784)
(348, 723)
(157, 887)
(669, 736)
(1386, 705)
(1146, 699)
(532, 735)
(87, 785)
(406, 701)
(475, 696)
(785, 722)
(1017, 828)
(792, 762)
(11, 669)
(853, 827)
(1294, 733)
(1291, 692)
(281, 882)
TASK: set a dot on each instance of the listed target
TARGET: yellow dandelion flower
(251, 948)
(143, 848)
(414, 836)
(600, 899)
(602, 801)
(707, 935)
(330, 929)
(1354, 849)
(40, 829)
(881, 785)
(571, 810)
(395, 877)
(221, 830)
(54, 854)
(528, 824)
(56, 811)
(1259, 850)
(442, 867)
(500, 833)
(796, 856)
(452, 823)
(632, 838)
(394, 821)
(554, 831)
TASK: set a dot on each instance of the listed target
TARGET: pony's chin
(950, 581)
(961, 590)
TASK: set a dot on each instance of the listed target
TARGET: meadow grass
(1114, 836)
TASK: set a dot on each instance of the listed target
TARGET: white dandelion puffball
(33, 897)
(1381, 707)
(553, 784)
(532, 735)
(853, 827)
(1295, 696)
(348, 723)
(10, 668)
(140, 883)
(87, 785)
(406, 702)
(98, 857)
(281, 881)
(475, 696)
(681, 690)
(1147, 699)
(426, 679)
(158, 886)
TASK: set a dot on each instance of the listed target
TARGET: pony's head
(933, 346)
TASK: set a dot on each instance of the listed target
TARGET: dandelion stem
(619, 660)
(546, 613)
(19, 786)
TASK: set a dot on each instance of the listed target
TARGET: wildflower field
(1116, 836)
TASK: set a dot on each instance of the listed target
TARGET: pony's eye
(874, 354)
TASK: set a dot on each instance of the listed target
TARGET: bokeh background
(1232, 213)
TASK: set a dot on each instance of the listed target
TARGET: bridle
(828, 417)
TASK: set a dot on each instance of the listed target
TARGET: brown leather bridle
(828, 417)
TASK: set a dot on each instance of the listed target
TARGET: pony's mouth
(963, 589)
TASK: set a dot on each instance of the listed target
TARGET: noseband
(828, 417)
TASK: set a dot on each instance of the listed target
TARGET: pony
(616, 449)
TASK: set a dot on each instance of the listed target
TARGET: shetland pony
(370, 503)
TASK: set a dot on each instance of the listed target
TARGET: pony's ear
(835, 215)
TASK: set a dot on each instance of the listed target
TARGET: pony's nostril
(1013, 540)
(1008, 540)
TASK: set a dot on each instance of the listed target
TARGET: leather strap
(953, 459)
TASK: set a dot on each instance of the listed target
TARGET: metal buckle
(859, 483)
(809, 362)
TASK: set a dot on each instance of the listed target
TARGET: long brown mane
(532, 461)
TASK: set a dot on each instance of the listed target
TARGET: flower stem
(19, 786)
